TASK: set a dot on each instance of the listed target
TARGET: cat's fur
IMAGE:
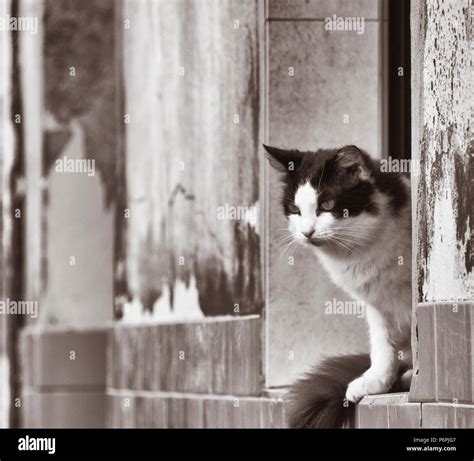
(357, 220)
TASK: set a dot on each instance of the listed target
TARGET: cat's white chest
(351, 276)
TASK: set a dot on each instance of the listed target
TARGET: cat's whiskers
(341, 243)
(287, 247)
(352, 244)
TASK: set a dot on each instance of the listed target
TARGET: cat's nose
(308, 234)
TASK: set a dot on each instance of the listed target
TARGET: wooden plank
(222, 357)
(176, 371)
(471, 313)
(177, 413)
(174, 410)
(194, 413)
(453, 342)
(372, 414)
(198, 358)
(161, 409)
(250, 413)
(465, 416)
(438, 415)
(185, 412)
(219, 350)
(273, 414)
(222, 413)
(423, 386)
(126, 407)
(407, 415)
(244, 357)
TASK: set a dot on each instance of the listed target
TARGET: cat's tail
(318, 399)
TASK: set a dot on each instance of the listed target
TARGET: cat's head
(336, 198)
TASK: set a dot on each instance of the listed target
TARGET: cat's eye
(294, 209)
(327, 205)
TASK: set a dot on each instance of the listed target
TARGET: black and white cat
(357, 220)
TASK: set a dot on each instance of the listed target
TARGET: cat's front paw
(367, 384)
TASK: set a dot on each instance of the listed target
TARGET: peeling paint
(80, 77)
(445, 210)
(187, 154)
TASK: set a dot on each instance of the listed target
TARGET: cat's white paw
(367, 384)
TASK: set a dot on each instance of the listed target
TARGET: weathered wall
(6, 160)
(74, 210)
(307, 111)
(442, 144)
(192, 136)
(445, 149)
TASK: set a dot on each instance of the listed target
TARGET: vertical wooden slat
(465, 416)
(198, 351)
(438, 415)
(177, 413)
(161, 409)
(471, 313)
(220, 346)
(370, 415)
(453, 355)
(243, 347)
(423, 386)
(407, 416)
(273, 414)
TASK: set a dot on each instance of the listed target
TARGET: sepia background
(154, 311)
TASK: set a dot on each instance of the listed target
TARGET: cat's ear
(285, 161)
(355, 163)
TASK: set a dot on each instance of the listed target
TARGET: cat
(357, 221)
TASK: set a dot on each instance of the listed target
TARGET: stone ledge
(222, 357)
(388, 411)
(174, 410)
(63, 410)
(396, 411)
